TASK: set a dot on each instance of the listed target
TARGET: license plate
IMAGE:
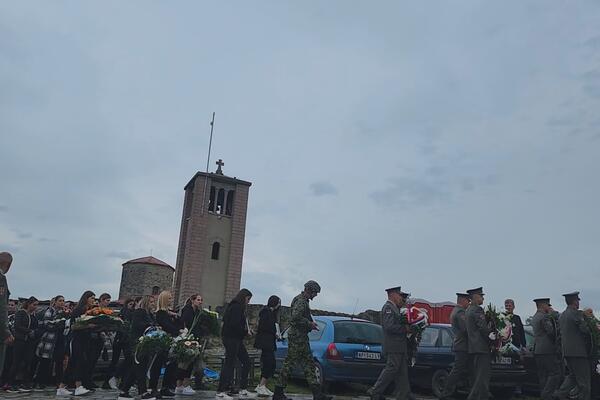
(504, 360)
(368, 355)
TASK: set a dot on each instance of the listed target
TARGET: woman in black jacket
(169, 322)
(24, 346)
(141, 319)
(235, 328)
(196, 322)
(266, 337)
(79, 364)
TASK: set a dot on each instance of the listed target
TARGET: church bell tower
(211, 240)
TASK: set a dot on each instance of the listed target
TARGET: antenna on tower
(212, 127)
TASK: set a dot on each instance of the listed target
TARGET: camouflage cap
(312, 286)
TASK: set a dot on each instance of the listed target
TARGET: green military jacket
(300, 319)
(575, 333)
(458, 318)
(544, 334)
(477, 330)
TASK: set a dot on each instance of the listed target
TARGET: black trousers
(549, 373)
(94, 351)
(8, 358)
(482, 368)
(79, 368)
(22, 361)
(119, 346)
(170, 372)
(460, 372)
(50, 371)
(234, 351)
(267, 363)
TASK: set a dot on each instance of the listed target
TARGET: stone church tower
(211, 240)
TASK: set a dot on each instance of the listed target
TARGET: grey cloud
(3, 208)
(323, 188)
(47, 240)
(409, 192)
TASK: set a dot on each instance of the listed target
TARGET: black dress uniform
(547, 358)
(575, 336)
(478, 333)
(394, 349)
(460, 347)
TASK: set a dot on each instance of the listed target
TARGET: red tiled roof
(148, 260)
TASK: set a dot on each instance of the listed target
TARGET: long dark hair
(241, 298)
(272, 304)
(81, 307)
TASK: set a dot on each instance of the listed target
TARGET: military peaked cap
(478, 290)
(572, 295)
(542, 300)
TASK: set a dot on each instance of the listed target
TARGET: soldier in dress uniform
(545, 349)
(478, 333)
(575, 336)
(299, 353)
(394, 348)
(460, 346)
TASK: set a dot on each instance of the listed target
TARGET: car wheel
(438, 382)
(320, 376)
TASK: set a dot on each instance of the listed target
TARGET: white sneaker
(263, 391)
(223, 396)
(112, 382)
(244, 394)
(188, 391)
(63, 392)
(81, 391)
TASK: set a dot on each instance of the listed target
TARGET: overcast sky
(439, 147)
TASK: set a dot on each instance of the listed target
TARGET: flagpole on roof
(212, 126)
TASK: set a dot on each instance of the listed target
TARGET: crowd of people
(43, 348)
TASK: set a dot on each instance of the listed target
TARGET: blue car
(345, 349)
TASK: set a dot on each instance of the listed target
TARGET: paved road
(112, 395)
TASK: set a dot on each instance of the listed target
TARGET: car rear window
(357, 332)
(430, 337)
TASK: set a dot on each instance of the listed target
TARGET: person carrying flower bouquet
(575, 335)
(478, 333)
(196, 322)
(394, 348)
(136, 366)
(79, 368)
(169, 322)
(266, 337)
(120, 344)
(98, 339)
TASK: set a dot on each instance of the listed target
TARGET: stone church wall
(142, 279)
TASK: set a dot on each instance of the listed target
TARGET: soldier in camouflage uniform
(5, 335)
(299, 353)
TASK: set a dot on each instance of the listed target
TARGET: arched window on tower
(215, 250)
(155, 290)
(211, 201)
(221, 201)
(229, 204)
